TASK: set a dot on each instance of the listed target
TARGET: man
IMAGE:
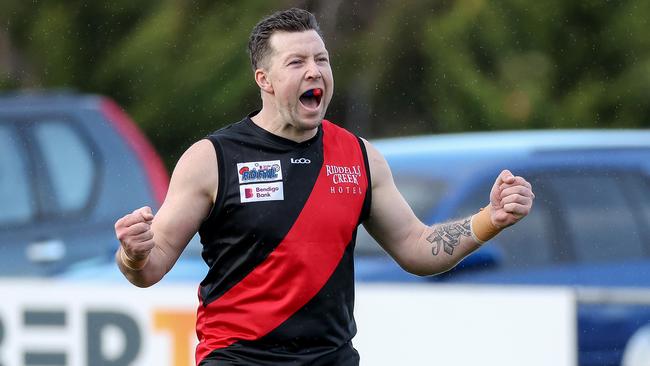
(277, 198)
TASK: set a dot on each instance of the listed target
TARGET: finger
(518, 181)
(139, 251)
(125, 234)
(133, 218)
(503, 217)
(519, 190)
(138, 228)
(505, 177)
(495, 192)
(141, 238)
(120, 223)
(146, 213)
(516, 209)
(515, 198)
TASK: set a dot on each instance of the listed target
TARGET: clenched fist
(511, 199)
(136, 238)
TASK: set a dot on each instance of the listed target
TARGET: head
(290, 62)
(292, 20)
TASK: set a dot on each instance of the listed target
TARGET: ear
(263, 81)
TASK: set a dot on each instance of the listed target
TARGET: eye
(322, 59)
(294, 62)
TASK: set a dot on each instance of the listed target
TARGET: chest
(266, 192)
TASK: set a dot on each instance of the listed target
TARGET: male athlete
(277, 198)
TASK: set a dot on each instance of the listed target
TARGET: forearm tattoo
(447, 236)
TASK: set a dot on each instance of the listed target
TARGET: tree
(402, 67)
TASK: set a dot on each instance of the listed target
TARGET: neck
(275, 124)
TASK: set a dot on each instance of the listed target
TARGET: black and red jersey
(279, 245)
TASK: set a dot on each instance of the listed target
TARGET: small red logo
(248, 192)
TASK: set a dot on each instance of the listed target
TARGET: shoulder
(197, 167)
(230, 129)
(200, 150)
(197, 160)
(222, 133)
(373, 153)
(379, 169)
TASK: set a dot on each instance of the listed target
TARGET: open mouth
(311, 98)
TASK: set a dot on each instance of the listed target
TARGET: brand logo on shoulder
(259, 171)
(300, 161)
(273, 191)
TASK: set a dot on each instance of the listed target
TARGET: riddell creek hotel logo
(345, 179)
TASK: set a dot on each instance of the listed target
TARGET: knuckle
(141, 227)
(121, 222)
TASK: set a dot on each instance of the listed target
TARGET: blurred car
(592, 206)
(70, 165)
(589, 227)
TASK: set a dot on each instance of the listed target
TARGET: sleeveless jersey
(279, 246)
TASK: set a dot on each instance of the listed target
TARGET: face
(297, 68)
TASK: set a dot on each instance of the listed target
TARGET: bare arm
(150, 245)
(427, 250)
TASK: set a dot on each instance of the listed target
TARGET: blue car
(69, 165)
(589, 228)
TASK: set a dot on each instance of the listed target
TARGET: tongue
(309, 102)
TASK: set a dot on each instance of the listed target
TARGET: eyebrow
(302, 55)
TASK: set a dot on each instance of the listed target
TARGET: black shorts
(234, 355)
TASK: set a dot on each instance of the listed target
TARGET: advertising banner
(57, 323)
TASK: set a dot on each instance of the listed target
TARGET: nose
(313, 71)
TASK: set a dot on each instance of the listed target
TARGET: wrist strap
(481, 226)
(130, 263)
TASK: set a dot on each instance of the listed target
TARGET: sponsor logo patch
(272, 191)
(259, 171)
(345, 179)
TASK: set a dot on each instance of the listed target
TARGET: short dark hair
(291, 20)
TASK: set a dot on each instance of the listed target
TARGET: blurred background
(98, 100)
(181, 70)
